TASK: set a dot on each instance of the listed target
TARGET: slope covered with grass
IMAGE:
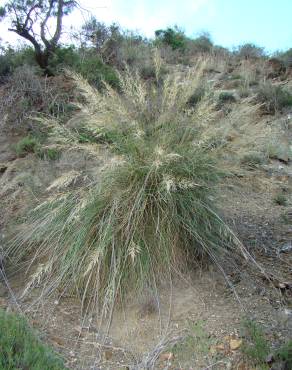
(20, 348)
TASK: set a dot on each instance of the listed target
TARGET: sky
(265, 23)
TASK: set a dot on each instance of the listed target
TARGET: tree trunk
(42, 59)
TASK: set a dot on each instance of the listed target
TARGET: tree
(32, 20)
(173, 37)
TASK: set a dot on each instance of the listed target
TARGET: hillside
(70, 139)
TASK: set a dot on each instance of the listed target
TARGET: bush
(197, 96)
(280, 199)
(286, 57)
(27, 93)
(95, 71)
(226, 97)
(253, 159)
(64, 57)
(248, 51)
(21, 348)
(256, 346)
(273, 98)
(27, 145)
(11, 59)
(48, 154)
(173, 37)
(201, 44)
(152, 211)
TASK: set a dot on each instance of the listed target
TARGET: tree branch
(25, 34)
(44, 23)
(60, 14)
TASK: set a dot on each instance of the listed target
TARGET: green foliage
(256, 346)
(95, 71)
(28, 144)
(280, 199)
(226, 97)
(196, 343)
(284, 353)
(174, 37)
(49, 154)
(274, 98)
(64, 57)
(197, 96)
(21, 348)
(11, 59)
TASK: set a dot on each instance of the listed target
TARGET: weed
(243, 92)
(256, 346)
(21, 348)
(197, 96)
(226, 97)
(280, 199)
(197, 343)
(26, 145)
(279, 151)
(274, 98)
(49, 154)
(284, 353)
(252, 159)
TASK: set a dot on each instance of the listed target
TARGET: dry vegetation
(176, 175)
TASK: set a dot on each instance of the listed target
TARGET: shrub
(28, 93)
(256, 346)
(248, 51)
(201, 44)
(27, 145)
(11, 59)
(284, 353)
(64, 57)
(95, 71)
(286, 57)
(150, 214)
(197, 96)
(280, 199)
(252, 159)
(226, 97)
(274, 98)
(49, 154)
(174, 37)
(21, 348)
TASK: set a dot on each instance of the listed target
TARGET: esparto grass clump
(152, 211)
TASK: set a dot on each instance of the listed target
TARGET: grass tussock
(152, 211)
